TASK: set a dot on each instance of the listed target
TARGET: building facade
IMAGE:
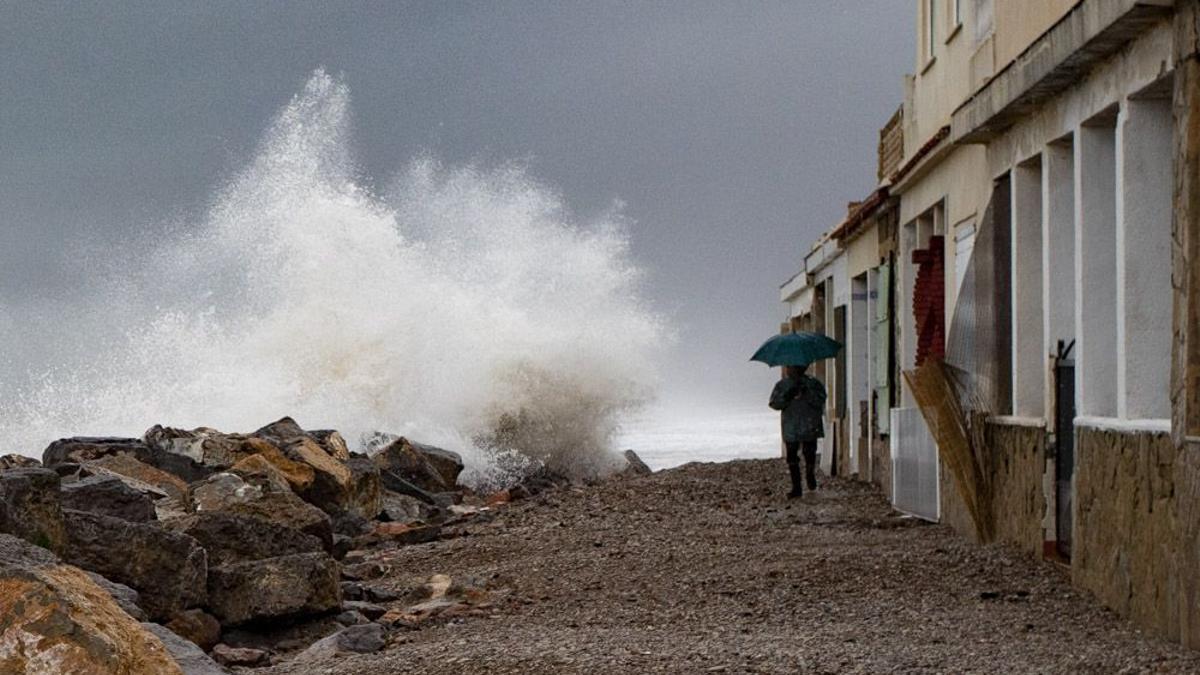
(1018, 298)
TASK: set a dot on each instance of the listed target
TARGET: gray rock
(167, 568)
(369, 610)
(30, 507)
(191, 659)
(239, 656)
(127, 598)
(351, 618)
(364, 498)
(15, 551)
(80, 449)
(231, 537)
(110, 496)
(220, 491)
(634, 464)
(400, 508)
(415, 464)
(362, 639)
(282, 587)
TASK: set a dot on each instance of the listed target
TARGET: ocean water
(664, 438)
(464, 306)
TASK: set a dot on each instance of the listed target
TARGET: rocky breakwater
(196, 550)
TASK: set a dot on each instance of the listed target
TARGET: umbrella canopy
(796, 349)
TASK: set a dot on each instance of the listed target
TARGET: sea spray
(463, 306)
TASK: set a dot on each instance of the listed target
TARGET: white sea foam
(465, 307)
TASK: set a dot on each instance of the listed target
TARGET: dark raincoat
(802, 404)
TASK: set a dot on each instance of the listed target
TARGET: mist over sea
(665, 438)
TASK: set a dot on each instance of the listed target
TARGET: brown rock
(131, 467)
(285, 508)
(18, 462)
(332, 443)
(196, 625)
(54, 619)
(283, 587)
(404, 534)
(30, 507)
(264, 462)
(330, 489)
(166, 568)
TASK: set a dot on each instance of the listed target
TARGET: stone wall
(1015, 471)
(1127, 534)
(1018, 502)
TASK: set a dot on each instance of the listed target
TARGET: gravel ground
(707, 568)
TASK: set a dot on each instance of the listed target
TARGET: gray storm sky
(734, 131)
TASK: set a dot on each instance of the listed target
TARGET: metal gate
(1064, 445)
(914, 464)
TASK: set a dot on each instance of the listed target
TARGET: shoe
(795, 494)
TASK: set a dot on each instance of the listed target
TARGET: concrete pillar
(1058, 248)
(1028, 372)
(1144, 157)
(1095, 269)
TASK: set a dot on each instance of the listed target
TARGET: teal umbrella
(796, 349)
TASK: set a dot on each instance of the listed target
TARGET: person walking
(800, 400)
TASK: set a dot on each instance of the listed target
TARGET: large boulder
(18, 462)
(285, 430)
(80, 449)
(331, 485)
(205, 447)
(264, 462)
(430, 469)
(285, 508)
(30, 507)
(274, 588)
(220, 491)
(191, 659)
(168, 569)
(55, 619)
(136, 470)
(110, 496)
(364, 497)
(230, 537)
(84, 449)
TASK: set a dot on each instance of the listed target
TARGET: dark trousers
(810, 463)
